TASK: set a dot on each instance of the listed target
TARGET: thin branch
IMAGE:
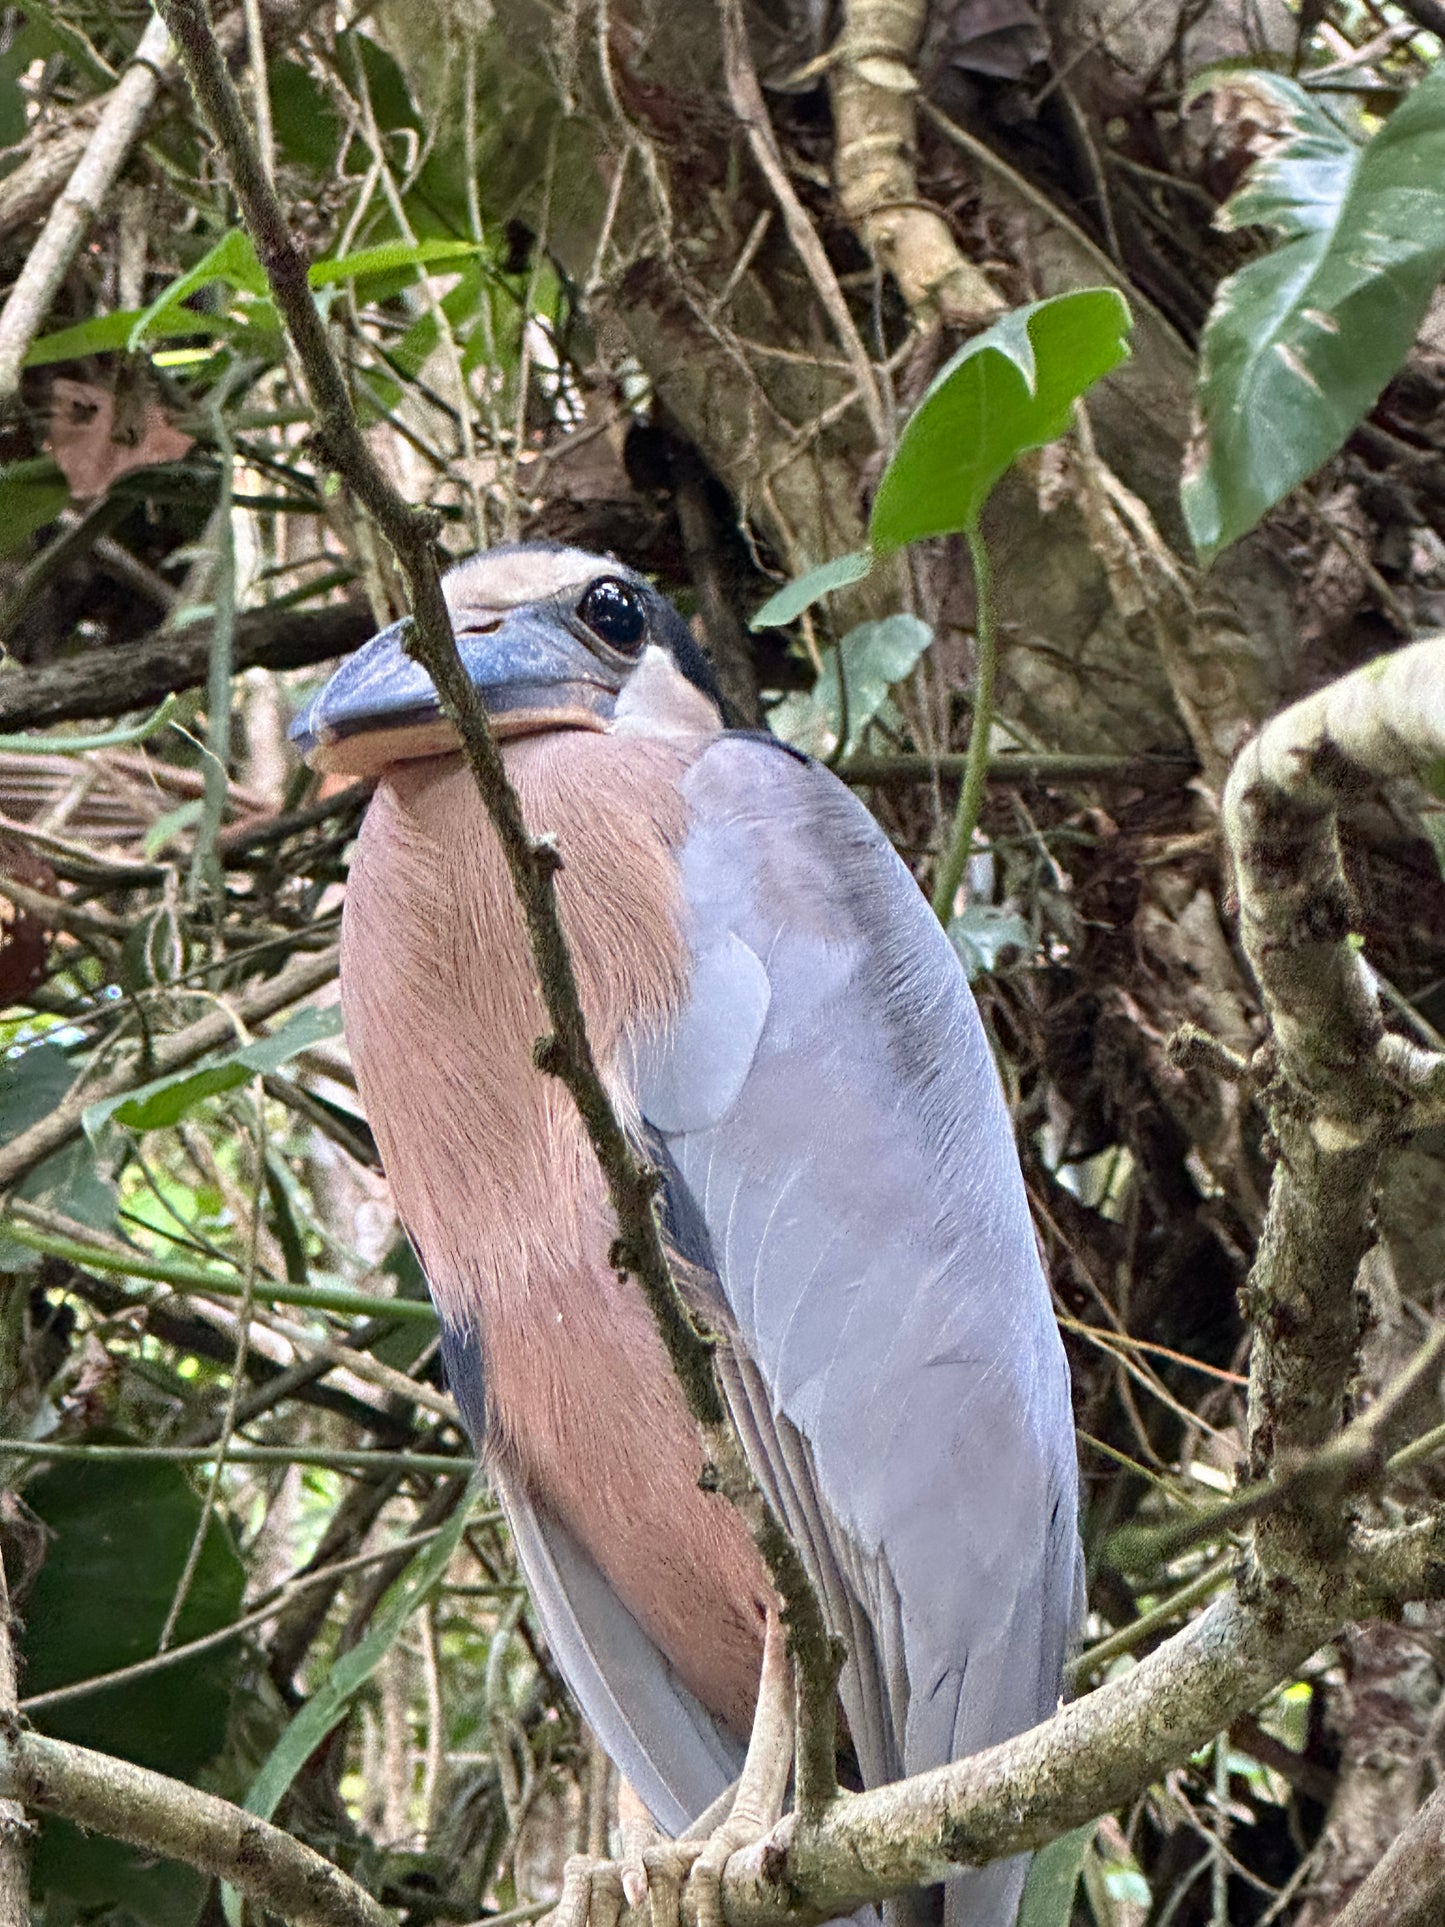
(167, 1817)
(121, 121)
(566, 1054)
(15, 1830)
(1407, 1888)
(300, 978)
(746, 94)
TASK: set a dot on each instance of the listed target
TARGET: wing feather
(846, 1164)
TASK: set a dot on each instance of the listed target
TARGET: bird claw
(654, 1871)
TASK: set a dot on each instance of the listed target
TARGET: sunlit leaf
(232, 261)
(1299, 345)
(166, 1100)
(1009, 389)
(389, 256)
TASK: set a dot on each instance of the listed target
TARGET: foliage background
(572, 306)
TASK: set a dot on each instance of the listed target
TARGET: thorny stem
(532, 863)
(970, 799)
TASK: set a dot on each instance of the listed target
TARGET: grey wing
(676, 1756)
(837, 1137)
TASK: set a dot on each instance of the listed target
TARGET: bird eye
(615, 613)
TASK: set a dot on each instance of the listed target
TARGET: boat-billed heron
(785, 1029)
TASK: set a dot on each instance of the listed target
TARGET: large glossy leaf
(1007, 390)
(1298, 345)
(120, 1534)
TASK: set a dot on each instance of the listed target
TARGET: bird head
(551, 637)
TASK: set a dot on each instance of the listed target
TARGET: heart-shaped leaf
(1007, 390)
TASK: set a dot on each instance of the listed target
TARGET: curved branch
(167, 1817)
(1280, 804)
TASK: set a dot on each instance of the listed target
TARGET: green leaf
(1048, 1899)
(31, 1085)
(389, 256)
(307, 129)
(873, 657)
(32, 494)
(232, 260)
(110, 333)
(166, 1100)
(1007, 390)
(353, 1669)
(119, 1537)
(791, 600)
(1298, 345)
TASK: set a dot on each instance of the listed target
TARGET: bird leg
(758, 1803)
(654, 1869)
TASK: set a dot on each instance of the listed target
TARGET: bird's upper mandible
(786, 1029)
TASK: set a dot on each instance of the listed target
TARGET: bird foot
(649, 1870)
(655, 1872)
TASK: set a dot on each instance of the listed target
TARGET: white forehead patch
(497, 581)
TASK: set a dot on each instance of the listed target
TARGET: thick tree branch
(532, 863)
(1295, 916)
(165, 1816)
(136, 675)
(874, 92)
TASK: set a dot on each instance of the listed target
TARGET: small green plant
(1008, 390)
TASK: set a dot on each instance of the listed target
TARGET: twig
(566, 1054)
(48, 262)
(167, 1817)
(746, 95)
(15, 1830)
